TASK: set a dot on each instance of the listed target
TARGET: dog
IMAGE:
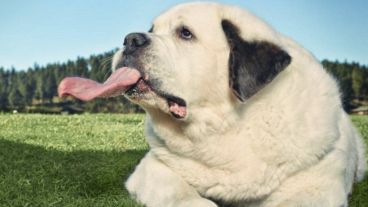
(237, 114)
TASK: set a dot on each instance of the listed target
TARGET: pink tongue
(87, 89)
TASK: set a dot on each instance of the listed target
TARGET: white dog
(237, 114)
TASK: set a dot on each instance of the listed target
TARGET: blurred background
(43, 41)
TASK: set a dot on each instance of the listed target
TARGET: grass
(75, 161)
(82, 160)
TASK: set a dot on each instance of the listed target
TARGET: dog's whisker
(106, 60)
(106, 66)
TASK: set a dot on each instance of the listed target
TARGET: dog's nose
(134, 41)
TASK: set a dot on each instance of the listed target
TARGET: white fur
(289, 145)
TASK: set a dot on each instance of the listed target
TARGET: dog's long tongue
(86, 89)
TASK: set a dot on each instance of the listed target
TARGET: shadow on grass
(359, 198)
(34, 176)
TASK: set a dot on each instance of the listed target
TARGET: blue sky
(46, 31)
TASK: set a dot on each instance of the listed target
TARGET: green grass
(51, 160)
(81, 160)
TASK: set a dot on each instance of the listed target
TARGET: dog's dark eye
(185, 34)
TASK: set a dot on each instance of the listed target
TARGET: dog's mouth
(125, 80)
(177, 106)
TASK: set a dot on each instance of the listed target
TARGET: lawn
(81, 160)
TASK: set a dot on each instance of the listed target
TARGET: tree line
(353, 81)
(35, 89)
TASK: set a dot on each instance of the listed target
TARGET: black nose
(134, 41)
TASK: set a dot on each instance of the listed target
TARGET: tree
(30, 84)
(364, 88)
(39, 79)
(357, 81)
(49, 86)
(81, 67)
(95, 73)
(20, 83)
(16, 100)
(3, 89)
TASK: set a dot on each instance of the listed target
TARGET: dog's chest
(207, 165)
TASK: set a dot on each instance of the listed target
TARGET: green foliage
(3, 89)
(82, 160)
(16, 99)
(352, 79)
(357, 81)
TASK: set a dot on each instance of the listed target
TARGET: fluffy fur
(290, 144)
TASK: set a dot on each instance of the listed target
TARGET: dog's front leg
(156, 185)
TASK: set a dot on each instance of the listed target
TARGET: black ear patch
(252, 64)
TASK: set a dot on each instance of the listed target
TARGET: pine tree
(20, 83)
(95, 64)
(357, 81)
(49, 86)
(30, 87)
(364, 91)
(81, 67)
(16, 100)
(3, 89)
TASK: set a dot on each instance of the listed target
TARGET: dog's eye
(185, 34)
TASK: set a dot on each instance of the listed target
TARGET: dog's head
(201, 55)
(198, 56)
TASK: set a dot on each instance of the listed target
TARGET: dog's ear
(252, 65)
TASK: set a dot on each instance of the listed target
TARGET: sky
(47, 31)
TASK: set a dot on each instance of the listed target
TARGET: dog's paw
(197, 202)
(216, 191)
